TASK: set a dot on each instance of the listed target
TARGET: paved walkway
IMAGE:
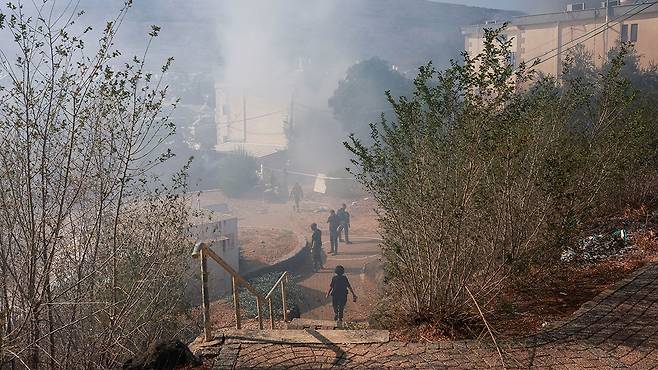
(355, 258)
(618, 329)
(364, 252)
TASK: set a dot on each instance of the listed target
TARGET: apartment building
(550, 37)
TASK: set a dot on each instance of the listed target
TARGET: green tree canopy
(361, 97)
(486, 169)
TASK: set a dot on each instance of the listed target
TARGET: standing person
(344, 218)
(333, 222)
(338, 292)
(284, 186)
(296, 194)
(316, 247)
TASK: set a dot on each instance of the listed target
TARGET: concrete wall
(549, 37)
(219, 281)
(293, 261)
(265, 120)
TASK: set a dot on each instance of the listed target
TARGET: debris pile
(598, 247)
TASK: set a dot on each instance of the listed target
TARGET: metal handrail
(283, 276)
(281, 282)
(202, 249)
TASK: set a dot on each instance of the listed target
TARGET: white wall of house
(223, 236)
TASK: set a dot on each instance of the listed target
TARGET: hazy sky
(528, 6)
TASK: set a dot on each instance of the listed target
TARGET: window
(634, 32)
(511, 58)
(624, 33)
(575, 7)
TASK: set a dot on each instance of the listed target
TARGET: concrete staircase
(300, 331)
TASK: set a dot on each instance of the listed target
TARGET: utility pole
(291, 115)
(244, 116)
(607, 20)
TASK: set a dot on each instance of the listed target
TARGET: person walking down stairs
(338, 291)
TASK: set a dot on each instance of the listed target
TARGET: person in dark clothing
(344, 218)
(338, 292)
(316, 247)
(333, 222)
(297, 195)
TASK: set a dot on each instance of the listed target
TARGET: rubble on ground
(598, 247)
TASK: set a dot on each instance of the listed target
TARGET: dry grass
(548, 295)
(264, 246)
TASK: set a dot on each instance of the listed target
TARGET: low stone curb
(298, 256)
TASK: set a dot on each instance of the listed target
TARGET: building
(550, 37)
(251, 119)
(222, 233)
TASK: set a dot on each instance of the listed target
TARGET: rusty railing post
(207, 327)
(259, 307)
(283, 302)
(271, 313)
(236, 302)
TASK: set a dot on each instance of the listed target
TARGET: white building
(223, 236)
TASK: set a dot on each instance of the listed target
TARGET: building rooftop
(617, 14)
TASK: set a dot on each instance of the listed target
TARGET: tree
(361, 97)
(487, 169)
(92, 246)
(237, 173)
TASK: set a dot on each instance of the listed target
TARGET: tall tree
(361, 96)
(486, 169)
(92, 248)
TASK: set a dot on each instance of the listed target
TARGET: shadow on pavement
(340, 357)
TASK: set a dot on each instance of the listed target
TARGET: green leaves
(155, 30)
(485, 168)
(237, 173)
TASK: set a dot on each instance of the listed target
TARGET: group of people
(339, 225)
(339, 231)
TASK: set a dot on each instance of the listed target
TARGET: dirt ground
(263, 246)
(525, 307)
(279, 227)
(544, 296)
(552, 295)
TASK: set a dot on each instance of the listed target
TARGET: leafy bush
(484, 171)
(94, 270)
(237, 173)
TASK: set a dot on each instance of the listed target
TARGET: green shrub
(487, 168)
(237, 173)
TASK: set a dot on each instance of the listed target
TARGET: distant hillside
(405, 32)
(409, 32)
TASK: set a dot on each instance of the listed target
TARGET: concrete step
(308, 336)
(313, 324)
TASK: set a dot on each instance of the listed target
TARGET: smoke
(282, 61)
(527, 6)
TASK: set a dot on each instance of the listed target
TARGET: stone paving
(618, 329)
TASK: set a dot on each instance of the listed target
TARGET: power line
(331, 112)
(251, 118)
(594, 32)
(587, 34)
